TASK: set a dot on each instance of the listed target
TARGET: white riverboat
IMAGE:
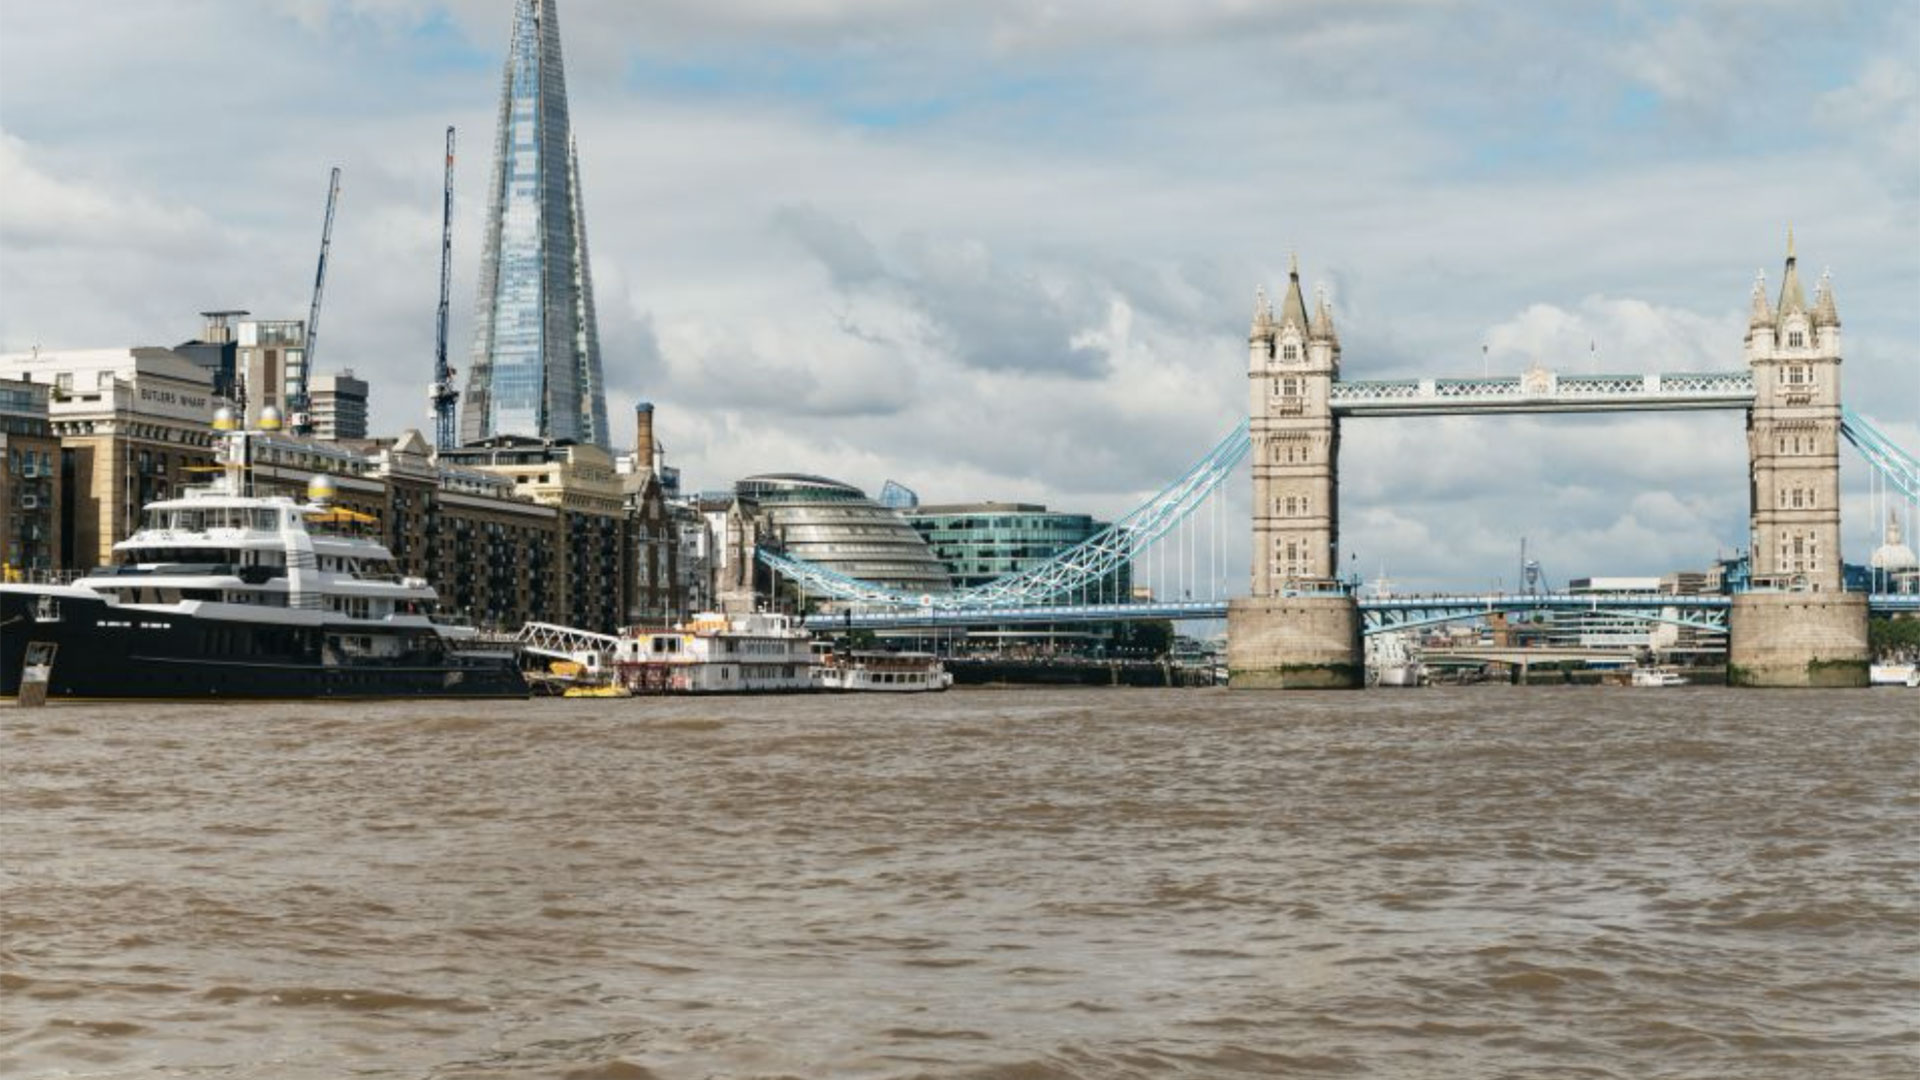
(1392, 662)
(1654, 677)
(763, 653)
(1392, 658)
(882, 673)
(1907, 675)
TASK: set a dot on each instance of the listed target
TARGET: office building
(217, 351)
(271, 352)
(338, 404)
(535, 366)
(982, 542)
(133, 426)
(985, 541)
(835, 525)
(30, 494)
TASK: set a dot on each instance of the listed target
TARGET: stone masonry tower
(1292, 364)
(1796, 627)
(1298, 628)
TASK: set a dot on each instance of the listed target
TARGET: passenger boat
(1391, 659)
(882, 672)
(1653, 676)
(762, 653)
(1391, 662)
(222, 594)
(1907, 675)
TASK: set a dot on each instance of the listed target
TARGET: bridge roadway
(1540, 390)
(1706, 613)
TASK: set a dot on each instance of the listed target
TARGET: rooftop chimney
(643, 444)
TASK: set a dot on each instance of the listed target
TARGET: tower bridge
(1795, 626)
(1300, 626)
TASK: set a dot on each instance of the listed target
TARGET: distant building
(338, 404)
(1612, 630)
(984, 541)
(30, 471)
(835, 525)
(1893, 567)
(658, 593)
(535, 367)
(897, 496)
(133, 425)
(507, 531)
(271, 353)
(217, 351)
(577, 479)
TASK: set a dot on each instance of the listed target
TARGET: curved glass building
(835, 525)
(982, 542)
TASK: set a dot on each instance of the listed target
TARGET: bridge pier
(1797, 639)
(1294, 643)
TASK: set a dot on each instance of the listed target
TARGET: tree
(1893, 634)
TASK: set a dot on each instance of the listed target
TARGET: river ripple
(1469, 882)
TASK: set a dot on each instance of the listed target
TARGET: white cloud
(43, 210)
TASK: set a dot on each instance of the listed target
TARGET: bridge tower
(1299, 629)
(1796, 626)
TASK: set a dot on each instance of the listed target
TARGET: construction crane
(298, 379)
(442, 392)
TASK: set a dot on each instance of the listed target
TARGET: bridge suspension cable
(1088, 566)
(1895, 464)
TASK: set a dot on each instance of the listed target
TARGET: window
(1290, 352)
(1796, 339)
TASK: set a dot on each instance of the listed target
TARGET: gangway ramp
(566, 642)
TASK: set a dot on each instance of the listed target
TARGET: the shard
(535, 368)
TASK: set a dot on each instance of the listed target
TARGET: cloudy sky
(1007, 249)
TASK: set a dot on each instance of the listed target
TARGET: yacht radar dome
(270, 419)
(321, 489)
(224, 419)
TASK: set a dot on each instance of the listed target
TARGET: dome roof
(1893, 557)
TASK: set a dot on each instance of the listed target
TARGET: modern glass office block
(535, 368)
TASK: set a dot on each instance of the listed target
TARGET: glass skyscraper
(535, 368)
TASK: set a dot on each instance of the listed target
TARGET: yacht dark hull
(103, 651)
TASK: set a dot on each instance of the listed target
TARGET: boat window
(264, 520)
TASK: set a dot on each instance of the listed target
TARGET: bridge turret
(1826, 316)
(1760, 320)
(1323, 343)
(1792, 300)
(1260, 338)
(1293, 309)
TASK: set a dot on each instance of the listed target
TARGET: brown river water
(1028, 884)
